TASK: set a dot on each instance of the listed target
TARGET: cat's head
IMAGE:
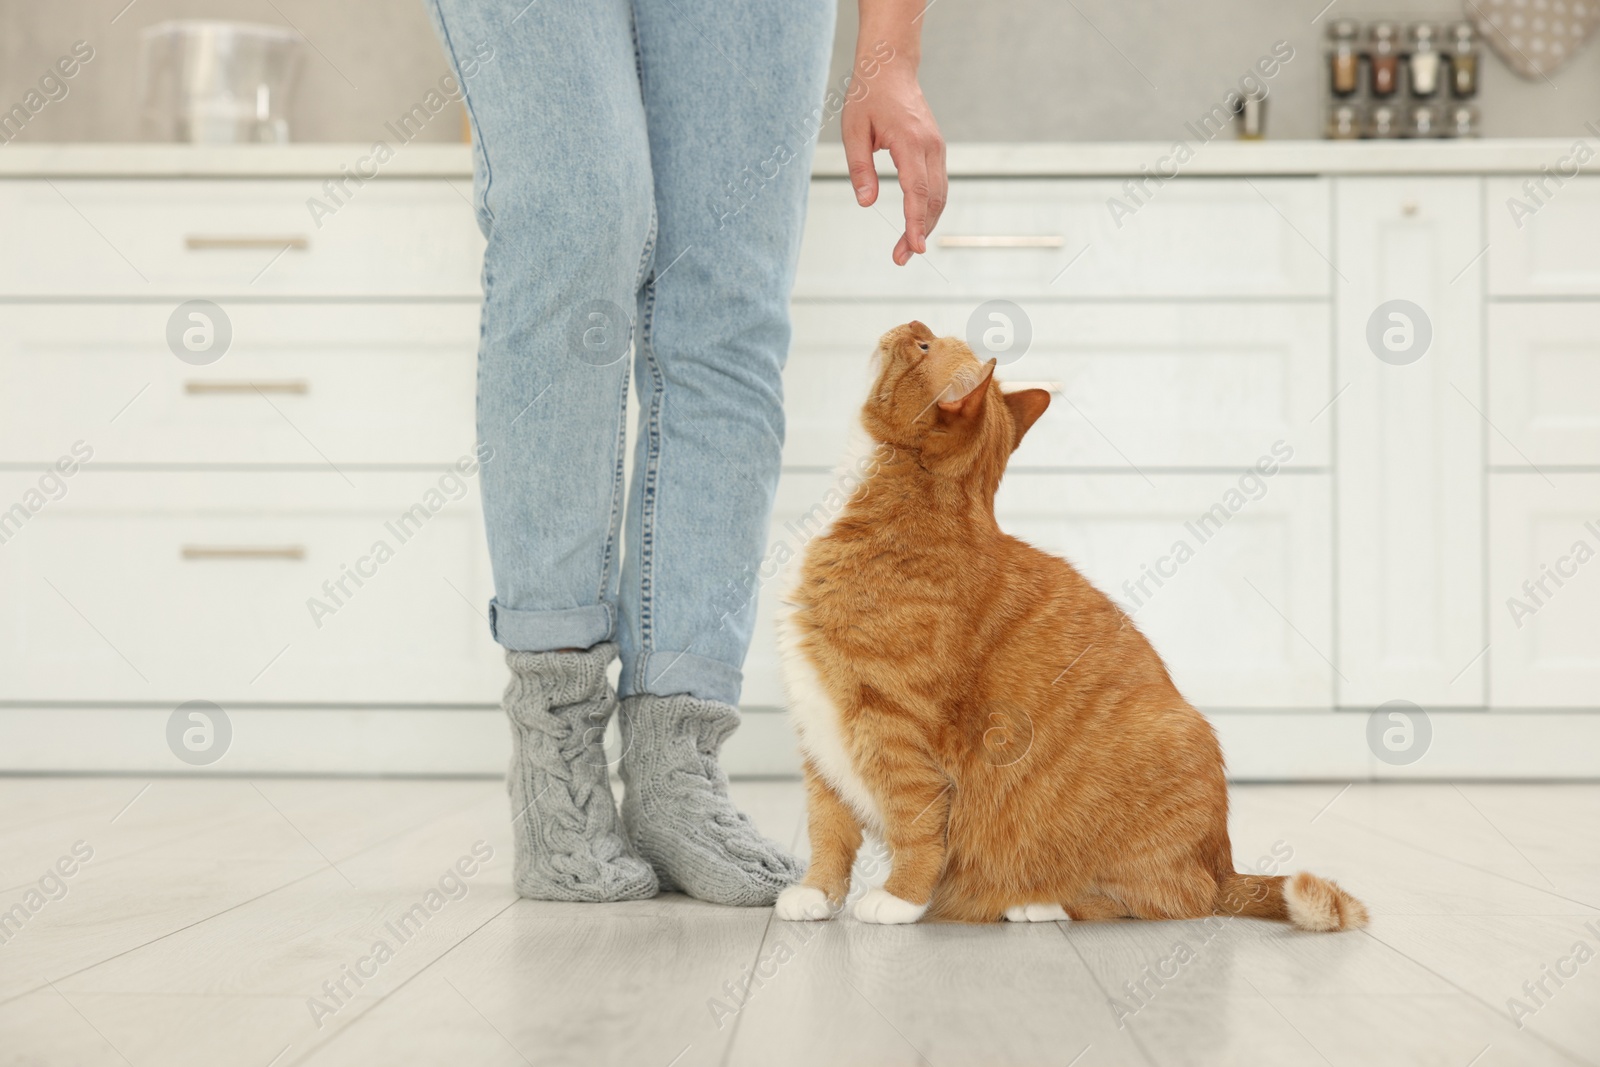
(931, 395)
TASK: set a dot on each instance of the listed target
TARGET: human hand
(892, 114)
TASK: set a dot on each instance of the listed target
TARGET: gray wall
(994, 70)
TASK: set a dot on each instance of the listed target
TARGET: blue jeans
(641, 172)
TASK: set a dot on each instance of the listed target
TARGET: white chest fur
(819, 727)
(816, 719)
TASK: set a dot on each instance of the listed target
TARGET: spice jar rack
(1386, 79)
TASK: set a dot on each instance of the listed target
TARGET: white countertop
(1219, 157)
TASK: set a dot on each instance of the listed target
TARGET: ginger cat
(977, 704)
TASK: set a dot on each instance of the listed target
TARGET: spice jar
(1463, 121)
(1424, 63)
(1343, 122)
(1383, 55)
(1463, 60)
(1383, 120)
(1344, 56)
(1424, 121)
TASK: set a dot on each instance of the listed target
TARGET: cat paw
(883, 907)
(799, 903)
(1036, 913)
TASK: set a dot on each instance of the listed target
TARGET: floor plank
(1521, 832)
(625, 983)
(1491, 957)
(942, 994)
(1391, 875)
(214, 910)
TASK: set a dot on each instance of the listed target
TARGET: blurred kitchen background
(1022, 70)
(215, 395)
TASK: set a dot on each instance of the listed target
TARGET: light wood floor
(212, 911)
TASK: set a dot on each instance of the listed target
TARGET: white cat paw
(1036, 913)
(883, 907)
(800, 903)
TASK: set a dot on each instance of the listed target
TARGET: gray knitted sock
(676, 808)
(564, 825)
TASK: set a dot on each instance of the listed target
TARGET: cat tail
(1304, 901)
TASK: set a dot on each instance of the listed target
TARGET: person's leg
(733, 96)
(565, 197)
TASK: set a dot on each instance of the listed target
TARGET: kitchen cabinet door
(1544, 384)
(1544, 245)
(1159, 385)
(1544, 589)
(1410, 442)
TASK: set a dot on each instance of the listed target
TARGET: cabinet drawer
(195, 238)
(1544, 590)
(166, 587)
(300, 384)
(1550, 252)
(1228, 645)
(1544, 379)
(1157, 385)
(1015, 238)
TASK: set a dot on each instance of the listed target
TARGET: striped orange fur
(1000, 723)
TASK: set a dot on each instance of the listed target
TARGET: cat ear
(1026, 406)
(968, 405)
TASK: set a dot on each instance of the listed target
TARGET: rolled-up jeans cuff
(670, 673)
(546, 631)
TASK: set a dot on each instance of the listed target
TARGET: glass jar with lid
(1463, 60)
(1462, 121)
(1424, 121)
(1424, 64)
(1344, 121)
(1383, 58)
(1383, 121)
(1344, 57)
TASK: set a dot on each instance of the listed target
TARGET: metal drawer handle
(1053, 388)
(200, 388)
(1041, 240)
(224, 242)
(203, 552)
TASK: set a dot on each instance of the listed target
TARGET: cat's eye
(922, 345)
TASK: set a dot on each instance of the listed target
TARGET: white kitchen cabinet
(1543, 242)
(161, 587)
(1227, 312)
(1544, 589)
(1160, 385)
(1544, 384)
(1409, 461)
(256, 239)
(1023, 239)
(299, 384)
